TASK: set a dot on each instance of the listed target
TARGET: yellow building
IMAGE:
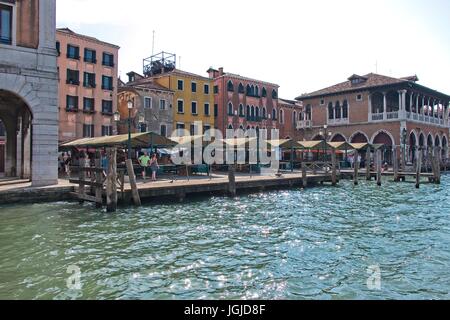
(193, 99)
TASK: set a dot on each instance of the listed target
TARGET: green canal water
(319, 243)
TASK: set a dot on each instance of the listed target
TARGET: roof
(285, 101)
(146, 83)
(68, 31)
(366, 82)
(239, 77)
(138, 140)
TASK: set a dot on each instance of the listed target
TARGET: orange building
(87, 86)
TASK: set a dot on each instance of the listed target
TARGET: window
(330, 111)
(193, 130)
(90, 56)
(322, 102)
(206, 109)
(281, 117)
(206, 128)
(58, 48)
(163, 130)
(73, 52)
(241, 111)
(88, 130)
(180, 126)
(143, 127)
(72, 103)
(194, 107)
(107, 131)
(274, 114)
(107, 107)
(88, 105)
(241, 88)
(216, 110)
(5, 24)
(108, 59)
(206, 88)
(89, 80)
(216, 89)
(147, 103)
(162, 104)
(359, 97)
(264, 92)
(73, 77)
(230, 86)
(264, 113)
(274, 94)
(180, 85)
(230, 109)
(345, 110)
(194, 87)
(107, 83)
(180, 106)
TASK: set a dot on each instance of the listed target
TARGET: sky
(303, 46)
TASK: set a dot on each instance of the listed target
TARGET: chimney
(220, 71)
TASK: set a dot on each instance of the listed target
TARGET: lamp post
(325, 134)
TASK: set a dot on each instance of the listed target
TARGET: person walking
(144, 160)
(154, 166)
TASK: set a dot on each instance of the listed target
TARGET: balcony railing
(338, 121)
(426, 118)
(377, 116)
(305, 124)
(392, 115)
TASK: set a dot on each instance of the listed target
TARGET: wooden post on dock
(378, 167)
(395, 159)
(333, 167)
(231, 181)
(133, 185)
(368, 173)
(82, 175)
(418, 167)
(111, 189)
(98, 181)
(304, 175)
(436, 165)
(356, 164)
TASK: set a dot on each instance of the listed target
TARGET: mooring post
(418, 168)
(437, 166)
(111, 189)
(231, 181)
(133, 184)
(395, 159)
(334, 167)
(98, 181)
(356, 165)
(304, 175)
(379, 167)
(82, 175)
(368, 173)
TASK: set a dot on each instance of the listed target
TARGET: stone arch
(437, 141)
(444, 147)
(413, 137)
(422, 140)
(430, 140)
(338, 137)
(383, 135)
(359, 137)
(413, 142)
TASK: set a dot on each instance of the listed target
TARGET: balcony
(305, 124)
(392, 115)
(336, 122)
(426, 119)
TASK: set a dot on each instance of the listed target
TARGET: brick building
(241, 102)
(152, 101)
(288, 117)
(88, 80)
(28, 90)
(396, 112)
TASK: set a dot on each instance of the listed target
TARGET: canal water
(347, 242)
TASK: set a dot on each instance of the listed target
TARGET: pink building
(88, 80)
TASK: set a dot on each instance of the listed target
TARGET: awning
(340, 145)
(186, 139)
(314, 145)
(239, 142)
(138, 140)
(365, 146)
(285, 144)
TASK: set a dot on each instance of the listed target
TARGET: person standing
(144, 161)
(154, 166)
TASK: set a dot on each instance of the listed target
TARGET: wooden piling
(395, 162)
(418, 168)
(98, 181)
(111, 189)
(231, 181)
(304, 175)
(133, 185)
(81, 187)
(378, 152)
(368, 163)
(334, 168)
(356, 168)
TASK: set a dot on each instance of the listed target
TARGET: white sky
(301, 45)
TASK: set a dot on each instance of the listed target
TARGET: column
(402, 98)
(384, 106)
(417, 104)
(370, 108)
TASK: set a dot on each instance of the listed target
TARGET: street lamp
(325, 134)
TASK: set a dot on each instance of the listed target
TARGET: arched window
(330, 111)
(241, 110)
(230, 126)
(230, 86)
(294, 117)
(249, 90)
(281, 116)
(338, 109)
(345, 110)
(241, 88)
(256, 91)
(274, 94)
(257, 113)
(230, 109)
(264, 92)
(248, 112)
(253, 91)
(253, 113)
(274, 114)
(264, 113)
(308, 112)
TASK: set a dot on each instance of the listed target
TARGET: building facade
(396, 112)
(152, 101)
(244, 103)
(88, 80)
(28, 89)
(288, 117)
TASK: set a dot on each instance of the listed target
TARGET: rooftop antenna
(153, 43)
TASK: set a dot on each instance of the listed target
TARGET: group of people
(146, 162)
